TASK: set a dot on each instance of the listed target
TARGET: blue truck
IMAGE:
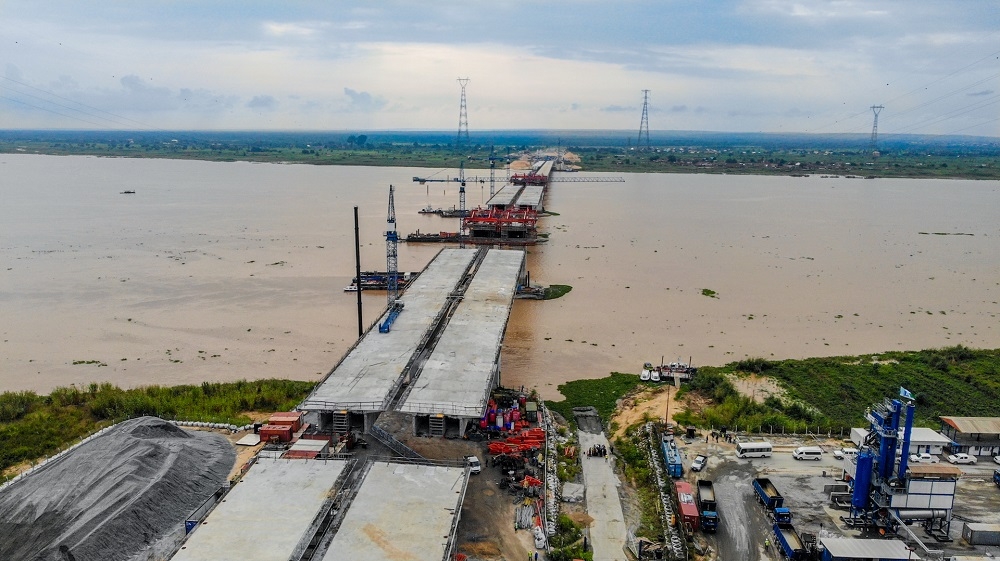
(787, 539)
(772, 500)
(671, 456)
(707, 506)
(996, 477)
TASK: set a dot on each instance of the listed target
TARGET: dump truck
(787, 539)
(707, 506)
(767, 494)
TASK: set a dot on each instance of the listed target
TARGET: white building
(921, 440)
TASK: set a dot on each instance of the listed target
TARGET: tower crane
(461, 204)
(395, 306)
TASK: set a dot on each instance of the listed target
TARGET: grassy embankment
(828, 394)
(33, 426)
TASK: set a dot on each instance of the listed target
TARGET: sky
(721, 65)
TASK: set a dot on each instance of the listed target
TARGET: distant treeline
(504, 140)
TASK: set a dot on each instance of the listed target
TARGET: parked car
(841, 453)
(996, 459)
(474, 465)
(699, 463)
(923, 458)
(961, 458)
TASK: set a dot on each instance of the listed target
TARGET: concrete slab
(402, 511)
(505, 196)
(456, 378)
(365, 377)
(266, 515)
(607, 532)
(531, 197)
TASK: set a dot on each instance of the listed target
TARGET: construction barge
(379, 280)
(489, 226)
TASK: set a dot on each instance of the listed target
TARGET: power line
(72, 101)
(50, 110)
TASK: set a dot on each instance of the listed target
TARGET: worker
(767, 543)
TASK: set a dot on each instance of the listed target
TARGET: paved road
(607, 532)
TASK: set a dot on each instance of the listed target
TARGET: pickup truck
(923, 458)
(962, 458)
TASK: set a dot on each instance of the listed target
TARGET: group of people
(728, 437)
(598, 450)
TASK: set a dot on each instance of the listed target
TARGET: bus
(753, 450)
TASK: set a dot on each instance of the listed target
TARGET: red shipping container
(291, 418)
(282, 432)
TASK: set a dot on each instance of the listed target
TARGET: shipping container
(291, 418)
(685, 502)
(981, 534)
(283, 433)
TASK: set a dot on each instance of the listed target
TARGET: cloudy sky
(725, 65)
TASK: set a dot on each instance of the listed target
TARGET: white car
(962, 459)
(996, 459)
(699, 463)
(923, 458)
(474, 465)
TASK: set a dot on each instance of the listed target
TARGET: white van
(808, 453)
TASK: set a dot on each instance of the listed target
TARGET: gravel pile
(114, 496)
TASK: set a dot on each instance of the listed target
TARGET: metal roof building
(848, 549)
(976, 436)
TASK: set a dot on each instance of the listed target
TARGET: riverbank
(721, 158)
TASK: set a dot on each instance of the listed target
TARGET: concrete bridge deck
(367, 376)
(462, 370)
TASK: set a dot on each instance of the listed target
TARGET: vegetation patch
(831, 393)
(557, 291)
(601, 393)
(33, 426)
(709, 292)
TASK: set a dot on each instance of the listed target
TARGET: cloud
(364, 101)
(982, 93)
(618, 108)
(286, 29)
(265, 102)
(678, 108)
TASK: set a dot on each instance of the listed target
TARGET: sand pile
(115, 495)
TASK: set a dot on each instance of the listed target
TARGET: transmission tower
(644, 124)
(873, 145)
(391, 254)
(463, 117)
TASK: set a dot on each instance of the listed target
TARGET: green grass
(600, 393)
(557, 291)
(709, 292)
(33, 426)
(832, 393)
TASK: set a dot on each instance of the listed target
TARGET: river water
(221, 271)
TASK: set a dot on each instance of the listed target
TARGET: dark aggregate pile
(113, 496)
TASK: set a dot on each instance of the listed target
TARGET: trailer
(767, 494)
(707, 506)
(789, 542)
(686, 506)
(671, 456)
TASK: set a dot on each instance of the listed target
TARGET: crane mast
(395, 306)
